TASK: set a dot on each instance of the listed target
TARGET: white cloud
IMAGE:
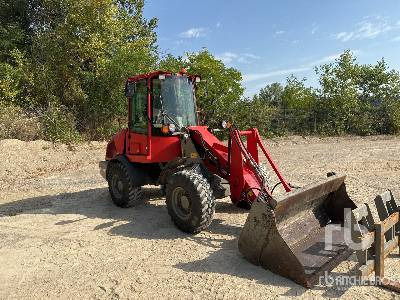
(396, 39)
(325, 59)
(279, 32)
(314, 28)
(369, 28)
(193, 33)
(344, 36)
(178, 42)
(329, 58)
(243, 60)
(218, 25)
(262, 85)
(306, 67)
(230, 57)
(227, 57)
(258, 76)
(251, 55)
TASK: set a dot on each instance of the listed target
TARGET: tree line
(352, 98)
(63, 65)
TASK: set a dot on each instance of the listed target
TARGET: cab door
(137, 143)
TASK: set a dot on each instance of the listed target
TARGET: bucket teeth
(289, 240)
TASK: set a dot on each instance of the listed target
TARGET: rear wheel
(121, 186)
(190, 201)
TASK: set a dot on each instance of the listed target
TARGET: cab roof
(157, 73)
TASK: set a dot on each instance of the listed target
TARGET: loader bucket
(289, 238)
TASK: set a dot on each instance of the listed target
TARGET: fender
(140, 175)
(116, 146)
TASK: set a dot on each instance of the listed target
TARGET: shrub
(17, 124)
(59, 125)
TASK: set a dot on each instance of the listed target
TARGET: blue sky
(269, 40)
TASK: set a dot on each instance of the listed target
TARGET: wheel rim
(117, 186)
(181, 203)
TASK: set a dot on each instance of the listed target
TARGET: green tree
(358, 99)
(15, 30)
(171, 63)
(82, 54)
(338, 97)
(297, 96)
(220, 88)
(271, 94)
(67, 61)
(255, 113)
(15, 45)
(379, 94)
(298, 106)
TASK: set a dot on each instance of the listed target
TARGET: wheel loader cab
(160, 105)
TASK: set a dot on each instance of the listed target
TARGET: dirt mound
(61, 237)
(23, 160)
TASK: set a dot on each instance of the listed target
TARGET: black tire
(190, 201)
(121, 186)
(163, 188)
(214, 181)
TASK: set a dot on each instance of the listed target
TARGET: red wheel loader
(165, 145)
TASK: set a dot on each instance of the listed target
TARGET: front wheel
(190, 201)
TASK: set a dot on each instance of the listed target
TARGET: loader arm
(238, 162)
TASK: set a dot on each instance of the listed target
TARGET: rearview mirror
(130, 88)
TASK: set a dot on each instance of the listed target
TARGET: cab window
(139, 120)
(157, 116)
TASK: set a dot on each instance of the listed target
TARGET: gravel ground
(61, 237)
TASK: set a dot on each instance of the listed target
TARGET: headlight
(171, 127)
(225, 124)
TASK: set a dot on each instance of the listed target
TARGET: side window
(157, 118)
(139, 108)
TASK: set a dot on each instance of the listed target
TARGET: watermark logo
(348, 230)
(343, 282)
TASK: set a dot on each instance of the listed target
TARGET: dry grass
(16, 124)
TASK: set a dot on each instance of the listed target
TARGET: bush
(59, 125)
(394, 117)
(16, 124)
(102, 128)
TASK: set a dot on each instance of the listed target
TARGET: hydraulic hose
(263, 195)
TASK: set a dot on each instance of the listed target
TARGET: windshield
(176, 101)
